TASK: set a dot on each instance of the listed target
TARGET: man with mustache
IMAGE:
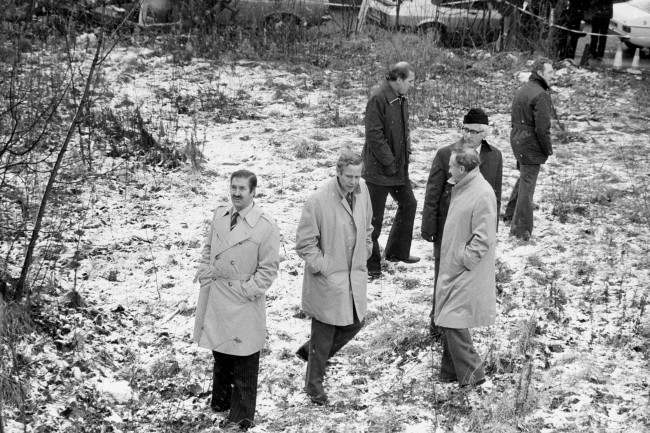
(238, 264)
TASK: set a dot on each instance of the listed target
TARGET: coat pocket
(327, 265)
(232, 291)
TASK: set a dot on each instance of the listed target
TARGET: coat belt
(231, 277)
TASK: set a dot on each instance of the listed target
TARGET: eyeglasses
(471, 131)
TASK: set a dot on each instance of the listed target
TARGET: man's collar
(341, 191)
(486, 145)
(251, 213)
(243, 212)
(390, 94)
(534, 76)
(469, 176)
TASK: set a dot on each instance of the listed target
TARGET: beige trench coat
(236, 269)
(466, 291)
(327, 226)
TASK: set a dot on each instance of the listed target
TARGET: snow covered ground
(569, 351)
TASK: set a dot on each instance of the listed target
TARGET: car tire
(630, 45)
(435, 32)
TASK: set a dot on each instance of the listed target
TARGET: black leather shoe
(319, 399)
(409, 259)
(219, 407)
(373, 275)
(228, 425)
(445, 379)
(302, 355)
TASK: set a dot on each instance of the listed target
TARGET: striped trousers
(234, 386)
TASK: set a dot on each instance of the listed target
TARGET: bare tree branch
(20, 286)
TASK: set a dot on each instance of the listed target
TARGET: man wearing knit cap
(438, 192)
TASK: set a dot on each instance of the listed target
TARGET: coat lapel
(242, 231)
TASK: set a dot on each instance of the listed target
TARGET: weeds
(306, 149)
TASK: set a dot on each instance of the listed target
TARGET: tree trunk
(20, 286)
(2, 423)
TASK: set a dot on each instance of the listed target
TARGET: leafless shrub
(15, 325)
(306, 149)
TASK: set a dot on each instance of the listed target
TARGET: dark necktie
(348, 197)
(233, 220)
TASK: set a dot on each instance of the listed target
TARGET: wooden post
(361, 18)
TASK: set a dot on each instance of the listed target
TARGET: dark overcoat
(388, 146)
(531, 113)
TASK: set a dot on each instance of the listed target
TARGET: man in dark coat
(530, 139)
(601, 12)
(385, 165)
(569, 14)
(438, 192)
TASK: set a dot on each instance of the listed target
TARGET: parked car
(272, 12)
(631, 21)
(476, 21)
(244, 12)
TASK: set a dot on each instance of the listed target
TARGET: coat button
(229, 283)
(232, 262)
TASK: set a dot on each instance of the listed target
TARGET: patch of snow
(119, 390)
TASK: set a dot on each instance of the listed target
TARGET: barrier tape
(557, 26)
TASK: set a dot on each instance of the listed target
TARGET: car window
(644, 5)
(477, 5)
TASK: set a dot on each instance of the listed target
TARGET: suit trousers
(600, 25)
(234, 386)
(434, 330)
(520, 206)
(324, 342)
(401, 233)
(460, 362)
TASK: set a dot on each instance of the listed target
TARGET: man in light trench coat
(465, 292)
(438, 192)
(334, 238)
(238, 264)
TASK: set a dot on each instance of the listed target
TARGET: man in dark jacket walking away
(601, 12)
(385, 165)
(438, 192)
(530, 139)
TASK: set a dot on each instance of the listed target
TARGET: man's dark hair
(538, 64)
(399, 70)
(467, 158)
(246, 174)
